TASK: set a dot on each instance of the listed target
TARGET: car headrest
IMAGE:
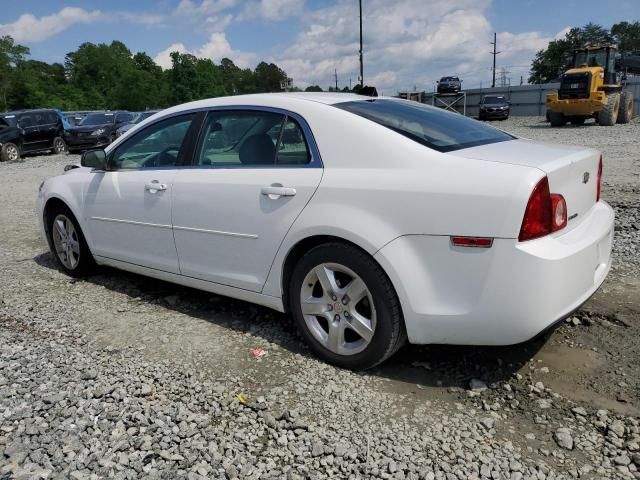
(258, 150)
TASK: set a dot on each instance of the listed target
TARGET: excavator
(593, 88)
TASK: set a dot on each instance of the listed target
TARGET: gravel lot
(119, 376)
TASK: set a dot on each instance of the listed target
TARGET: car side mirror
(96, 159)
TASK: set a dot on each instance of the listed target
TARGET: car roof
(31, 110)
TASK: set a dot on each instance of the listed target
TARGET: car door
(30, 132)
(128, 207)
(254, 171)
(48, 128)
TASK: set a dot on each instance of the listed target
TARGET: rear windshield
(98, 119)
(429, 126)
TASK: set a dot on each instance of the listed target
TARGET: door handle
(154, 186)
(275, 191)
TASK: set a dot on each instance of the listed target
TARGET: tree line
(549, 63)
(110, 76)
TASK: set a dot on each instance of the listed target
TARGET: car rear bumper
(502, 295)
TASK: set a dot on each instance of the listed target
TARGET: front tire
(10, 152)
(609, 113)
(68, 244)
(557, 119)
(346, 307)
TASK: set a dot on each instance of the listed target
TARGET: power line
(494, 53)
(361, 60)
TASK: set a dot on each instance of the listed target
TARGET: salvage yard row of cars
(31, 131)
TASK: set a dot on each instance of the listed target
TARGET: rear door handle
(154, 186)
(274, 192)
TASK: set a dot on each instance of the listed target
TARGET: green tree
(313, 88)
(550, 62)
(269, 77)
(10, 55)
(627, 35)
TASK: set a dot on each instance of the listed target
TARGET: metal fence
(525, 100)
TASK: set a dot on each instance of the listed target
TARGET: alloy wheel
(58, 145)
(12, 153)
(66, 241)
(338, 309)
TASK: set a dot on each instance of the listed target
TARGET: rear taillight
(559, 212)
(599, 180)
(545, 213)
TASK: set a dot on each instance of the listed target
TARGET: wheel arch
(50, 206)
(300, 248)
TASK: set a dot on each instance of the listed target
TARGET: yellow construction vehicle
(591, 89)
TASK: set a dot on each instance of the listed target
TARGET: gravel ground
(119, 376)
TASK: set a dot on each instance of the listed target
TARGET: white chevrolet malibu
(372, 221)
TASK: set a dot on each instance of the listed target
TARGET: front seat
(258, 150)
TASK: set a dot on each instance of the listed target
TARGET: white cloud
(273, 10)
(31, 29)
(217, 48)
(404, 45)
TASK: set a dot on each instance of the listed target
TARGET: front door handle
(277, 191)
(154, 186)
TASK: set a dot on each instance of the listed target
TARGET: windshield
(494, 100)
(591, 58)
(11, 120)
(449, 79)
(97, 119)
(429, 126)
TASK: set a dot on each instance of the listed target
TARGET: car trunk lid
(572, 171)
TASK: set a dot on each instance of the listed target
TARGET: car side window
(251, 138)
(158, 145)
(293, 148)
(236, 138)
(26, 121)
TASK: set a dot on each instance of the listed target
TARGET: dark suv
(96, 130)
(28, 131)
(494, 107)
(449, 85)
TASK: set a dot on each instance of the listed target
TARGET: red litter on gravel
(258, 353)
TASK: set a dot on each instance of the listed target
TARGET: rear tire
(609, 113)
(557, 119)
(625, 114)
(59, 146)
(355, 333)
(67, 243)
(10, 152)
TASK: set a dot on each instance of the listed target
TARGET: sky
(407, 43)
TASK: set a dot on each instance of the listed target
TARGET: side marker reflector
(477, 242)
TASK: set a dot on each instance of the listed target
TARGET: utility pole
(335, 73)
(361, 61)
(494, 53)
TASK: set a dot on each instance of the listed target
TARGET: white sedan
(372, 221)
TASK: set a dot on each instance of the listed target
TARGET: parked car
(494, 107)
(449, 85)
(32, 131)
(369, 220)
(97, 129)
(138, 118)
